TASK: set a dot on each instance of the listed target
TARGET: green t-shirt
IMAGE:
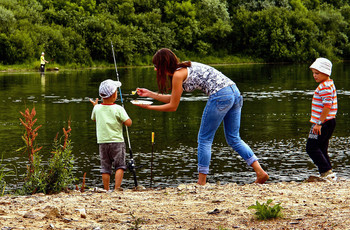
(109, 122)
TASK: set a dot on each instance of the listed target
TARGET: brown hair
(166, 62)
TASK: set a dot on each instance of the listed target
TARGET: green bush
(264, 211)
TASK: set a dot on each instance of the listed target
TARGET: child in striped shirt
(323, 111)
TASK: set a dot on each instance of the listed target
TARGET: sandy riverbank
(312, 205)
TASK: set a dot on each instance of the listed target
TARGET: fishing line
(131, 164)
(152, 160)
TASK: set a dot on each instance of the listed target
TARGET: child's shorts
(112, 154)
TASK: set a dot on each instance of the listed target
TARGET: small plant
(265, 211)
(137, 222)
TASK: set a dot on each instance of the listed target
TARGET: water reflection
(274, 123)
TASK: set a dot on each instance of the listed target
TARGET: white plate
(141, 102)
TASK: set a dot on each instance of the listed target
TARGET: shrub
(264, 211)
(58, 174)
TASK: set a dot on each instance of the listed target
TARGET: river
(275, 123)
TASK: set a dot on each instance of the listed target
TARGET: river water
(275, 123)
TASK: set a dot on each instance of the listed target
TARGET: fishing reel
(131, 165)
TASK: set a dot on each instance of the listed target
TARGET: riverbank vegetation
(53, 176)
(78, 33)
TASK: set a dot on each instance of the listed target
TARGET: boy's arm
(326, 94)
(128, 122)
(94, 102)
(324, 114)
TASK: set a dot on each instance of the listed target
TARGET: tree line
(81, 31)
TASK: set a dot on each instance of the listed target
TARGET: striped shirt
(325, 95)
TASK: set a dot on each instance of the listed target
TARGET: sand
(306, 205)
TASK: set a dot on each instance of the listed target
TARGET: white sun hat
(323, 65)
(108, 87)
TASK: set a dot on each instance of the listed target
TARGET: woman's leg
(232, 123)
(214, 112)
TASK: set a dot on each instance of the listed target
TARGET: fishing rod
(131, 163)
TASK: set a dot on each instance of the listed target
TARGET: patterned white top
(205, 78)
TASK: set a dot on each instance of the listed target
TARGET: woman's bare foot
(202, 179)
(261, 175)
(261, 178)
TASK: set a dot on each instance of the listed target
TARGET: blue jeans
(225, 105)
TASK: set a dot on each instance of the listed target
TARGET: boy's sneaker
(329, 172)
(331, 177)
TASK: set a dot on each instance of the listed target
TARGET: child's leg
(118, 155)
(313, 149)
(326, 134)
(106, 179)
(315, 153)
(118, 178)
(106, 164)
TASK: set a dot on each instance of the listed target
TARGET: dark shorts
(112, 154)
(42, 68)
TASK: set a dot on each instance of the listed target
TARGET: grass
(138, 62)
(3, 174)
(34, 66)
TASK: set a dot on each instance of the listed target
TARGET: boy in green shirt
(110, 118)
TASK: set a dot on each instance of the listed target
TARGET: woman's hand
(145, 106)
(142, 92)
(94, 102)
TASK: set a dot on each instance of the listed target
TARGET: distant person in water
(224, 105)
(324, 108)
(42, 62)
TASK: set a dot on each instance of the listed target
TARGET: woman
(224, 104)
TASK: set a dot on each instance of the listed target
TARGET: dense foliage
(80, 31)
